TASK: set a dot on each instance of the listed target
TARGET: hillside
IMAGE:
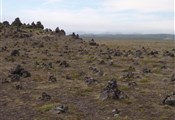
(48, 75)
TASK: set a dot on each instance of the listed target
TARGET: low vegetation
(48, 75)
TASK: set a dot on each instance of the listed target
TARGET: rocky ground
(47, 75)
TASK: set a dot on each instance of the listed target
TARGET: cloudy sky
(95, 16)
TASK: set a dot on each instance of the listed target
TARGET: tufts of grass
(121, 118)
(10, 59)
(126, 101)
(124, 88)
(46, 107)
(144, 81)
(76, 75)
(162, 117)
(38, 78)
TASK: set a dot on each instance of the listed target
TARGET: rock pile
(111, 91)
(17, 72)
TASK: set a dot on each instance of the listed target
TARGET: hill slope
(47, 75)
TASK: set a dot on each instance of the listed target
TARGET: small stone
(52, 79)
(68, 77)
(19, 87)
(169, 100)
(173, 77)
(15, 53)
(90, 81)
(60, 109)
(115, 111)
(146, 70)
(128, 75)
(64, 64)
(45, 97)
(132, 84)
(93, 69)
(102, 62)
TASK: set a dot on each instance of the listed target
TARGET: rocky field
(48, 75)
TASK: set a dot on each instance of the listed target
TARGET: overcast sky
(95, 16)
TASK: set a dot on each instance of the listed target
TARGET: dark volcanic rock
(90, 80)
(146, 70)
(93, 43)
(14, 78)
(128, 75)
(52, 79)
(111, 91)
(168, 53)
(118, 53)
(153, 53)
(93, 69)
(138, 53)
(45, 97)
(173, 77)
(64, 64)
(169, 100)
(15, 53)
(19, 87)
(18, 71)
